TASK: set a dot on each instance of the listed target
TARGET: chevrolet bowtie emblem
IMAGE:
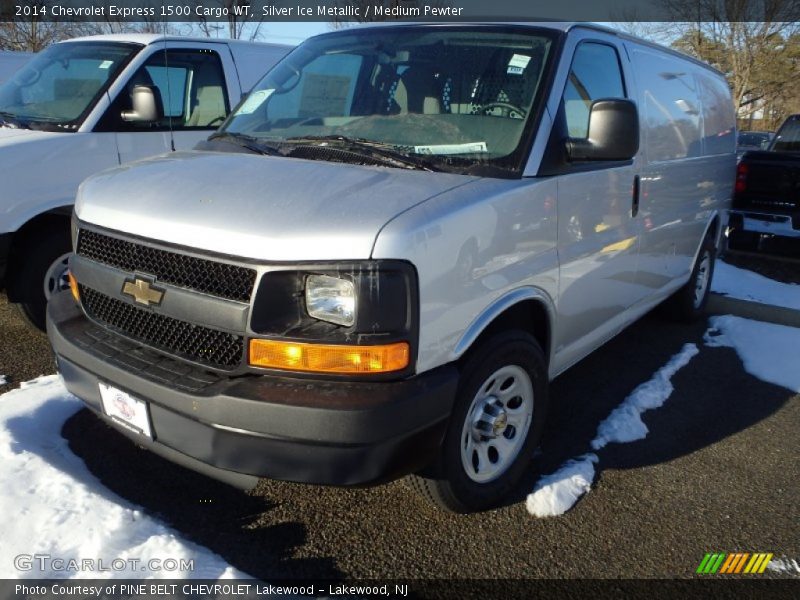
(143, 292)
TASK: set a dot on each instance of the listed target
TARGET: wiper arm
(249, 142)
(380, 150)
(11, 120)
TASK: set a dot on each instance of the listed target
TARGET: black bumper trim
(324, 432)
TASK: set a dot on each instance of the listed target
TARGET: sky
(291, 32)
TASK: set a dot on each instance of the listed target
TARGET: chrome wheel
(56, 280)
(497, 424)
(702, 279)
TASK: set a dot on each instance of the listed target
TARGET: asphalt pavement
(719, 471)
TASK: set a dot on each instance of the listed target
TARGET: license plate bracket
(126, 410)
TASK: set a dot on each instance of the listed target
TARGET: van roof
(562, 26)
(147, 39)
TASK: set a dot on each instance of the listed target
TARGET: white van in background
(87, 104)
(11, 62)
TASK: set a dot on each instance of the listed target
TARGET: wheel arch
(529, 309)
(50, 220)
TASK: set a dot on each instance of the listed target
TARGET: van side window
(190, 85)
(595, 74)
(718, 116)
(671, 107)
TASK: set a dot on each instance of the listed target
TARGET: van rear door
(688, 160)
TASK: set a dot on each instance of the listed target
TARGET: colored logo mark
(734, 563)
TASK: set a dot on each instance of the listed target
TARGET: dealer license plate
(129, 412)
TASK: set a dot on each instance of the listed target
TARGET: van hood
(14, 135)
(257, 207)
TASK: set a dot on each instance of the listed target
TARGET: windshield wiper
(386, 153)
(246, 141)
(11, 120)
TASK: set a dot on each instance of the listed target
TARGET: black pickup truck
(766, 199)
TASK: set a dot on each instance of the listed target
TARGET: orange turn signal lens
(73, 286)
(325, 358)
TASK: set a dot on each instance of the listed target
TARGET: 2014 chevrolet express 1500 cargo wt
(379, 261)
(69, 113)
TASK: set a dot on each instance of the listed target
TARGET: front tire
(41, 272)
(495, 426)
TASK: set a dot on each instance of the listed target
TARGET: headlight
(341, 318)
(331, 299)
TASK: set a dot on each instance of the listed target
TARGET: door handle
(635, 204)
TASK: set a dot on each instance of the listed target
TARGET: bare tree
(34, 34)
(239, 19)
(743, 39)
(404, 10)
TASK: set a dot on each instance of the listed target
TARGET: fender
(498, 307)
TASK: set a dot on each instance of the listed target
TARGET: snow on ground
(52, 505)
(746, 285)
(555, 494)
(768, 351)
(625, 424)
(784, 565)
(3, 380)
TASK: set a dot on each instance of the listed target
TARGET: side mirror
(147, 107)
(613, 132)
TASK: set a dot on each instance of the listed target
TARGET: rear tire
(495, 426)
(40, 273)
(689, 303)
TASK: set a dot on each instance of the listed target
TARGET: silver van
(378, 262)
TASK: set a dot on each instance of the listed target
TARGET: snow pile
(555, 494)
(767, 351)
(746, 285)
(784, 565)
(625, 424)
(3, 380)
(52, 505)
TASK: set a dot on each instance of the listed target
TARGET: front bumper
(304, 430)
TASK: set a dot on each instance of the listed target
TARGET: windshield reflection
(58, 87)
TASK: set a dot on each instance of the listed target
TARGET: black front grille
(186, 340)
(208, 276)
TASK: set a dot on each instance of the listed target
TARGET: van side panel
(687, 171)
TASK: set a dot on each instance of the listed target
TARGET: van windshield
(451, 98)
(58, 87)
